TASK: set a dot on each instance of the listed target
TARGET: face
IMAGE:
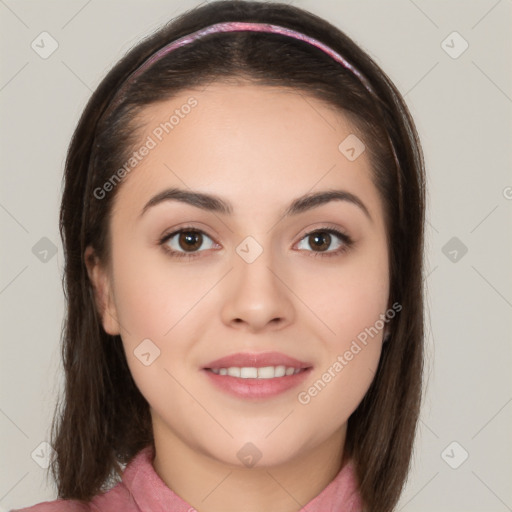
(301, 291)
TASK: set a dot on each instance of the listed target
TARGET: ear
(101, 284)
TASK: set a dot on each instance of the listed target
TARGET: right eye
(178, 243)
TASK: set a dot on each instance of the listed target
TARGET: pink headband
(238, 26)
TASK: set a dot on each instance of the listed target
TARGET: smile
(256, 375)
(266, 372)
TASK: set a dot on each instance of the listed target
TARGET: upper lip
(257, 360)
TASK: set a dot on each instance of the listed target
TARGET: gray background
(462, 107)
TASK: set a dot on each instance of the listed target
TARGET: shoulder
(55, 506)
(117, 498)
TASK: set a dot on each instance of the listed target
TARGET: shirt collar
(151, 494)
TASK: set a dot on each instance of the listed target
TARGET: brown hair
(94, 431)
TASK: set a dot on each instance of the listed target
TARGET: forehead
(258, 142)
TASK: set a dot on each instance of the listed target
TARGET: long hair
(103, 420)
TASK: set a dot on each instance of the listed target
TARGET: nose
(256, 296)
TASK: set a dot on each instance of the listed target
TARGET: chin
(254, 450)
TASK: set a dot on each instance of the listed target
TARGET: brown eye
(190, 240)
(320, 240)
(185, 242)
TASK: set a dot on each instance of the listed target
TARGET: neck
(210, 485)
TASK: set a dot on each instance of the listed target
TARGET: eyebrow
(216, 204)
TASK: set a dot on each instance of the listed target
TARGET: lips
(257, 360)
(257, 375)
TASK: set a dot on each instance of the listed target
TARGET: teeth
(248, 373)
(234, 372)
(279, 371)
(267, 372)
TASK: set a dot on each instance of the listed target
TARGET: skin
(259, 148)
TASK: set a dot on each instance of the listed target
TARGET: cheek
(353, 307)
(152, 301)
(158, 310)
(152, 306)
(350, 297)
(337, 388)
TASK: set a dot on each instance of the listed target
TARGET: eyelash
(347, 242)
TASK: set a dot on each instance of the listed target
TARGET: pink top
(142, 490)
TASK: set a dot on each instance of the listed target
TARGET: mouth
(251, 372)
(257, 375)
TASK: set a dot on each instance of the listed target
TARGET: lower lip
(257, 388)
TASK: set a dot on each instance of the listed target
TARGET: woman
(243, 222)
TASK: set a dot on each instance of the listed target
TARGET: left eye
(322, 238)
